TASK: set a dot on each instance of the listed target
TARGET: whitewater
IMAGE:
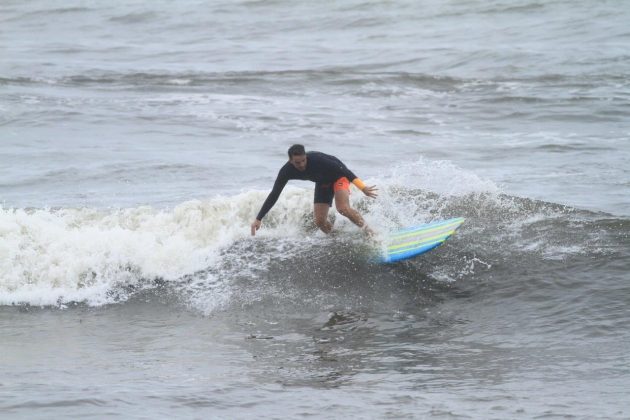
(138, 141)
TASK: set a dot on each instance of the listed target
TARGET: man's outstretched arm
(273, 196)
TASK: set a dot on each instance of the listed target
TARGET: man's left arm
(370, 191)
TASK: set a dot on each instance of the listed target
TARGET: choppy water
(139, 139)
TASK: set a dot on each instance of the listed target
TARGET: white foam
(439, 176)
(439, 181)
(52, 257)
(561, 252)
(48, 257)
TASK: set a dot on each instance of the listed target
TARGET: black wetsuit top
(321, 168)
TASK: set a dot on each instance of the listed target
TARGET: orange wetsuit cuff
(359, 184)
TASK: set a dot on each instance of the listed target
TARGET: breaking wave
(202, 253)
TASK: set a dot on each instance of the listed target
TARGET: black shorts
(324, 193)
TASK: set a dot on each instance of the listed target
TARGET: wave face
(201, 253)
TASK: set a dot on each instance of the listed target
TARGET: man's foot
(368, 232)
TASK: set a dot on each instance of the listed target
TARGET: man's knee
(320, 220)
(344, 209)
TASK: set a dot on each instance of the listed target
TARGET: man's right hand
(255, 226)
(371, 191)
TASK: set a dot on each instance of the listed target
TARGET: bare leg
(342, 202)
(320, 211)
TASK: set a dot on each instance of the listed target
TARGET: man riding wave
(332, 180)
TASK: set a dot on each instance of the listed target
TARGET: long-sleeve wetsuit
(320, 168)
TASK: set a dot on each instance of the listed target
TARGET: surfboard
(413, 241)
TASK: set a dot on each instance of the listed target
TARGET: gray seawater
(138, 140)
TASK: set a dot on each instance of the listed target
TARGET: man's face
(299, 162)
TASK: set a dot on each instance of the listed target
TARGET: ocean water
(139, 139)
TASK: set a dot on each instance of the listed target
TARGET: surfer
(332, 180)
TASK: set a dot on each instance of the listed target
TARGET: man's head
(297, 157)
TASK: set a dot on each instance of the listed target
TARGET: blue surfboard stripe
(412, 253)
(420, 245)
(416, 239)
(429, 226)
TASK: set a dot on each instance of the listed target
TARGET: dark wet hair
(296, 150)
